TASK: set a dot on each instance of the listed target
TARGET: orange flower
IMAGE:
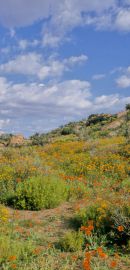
(113, 264)
(103, 255)
(86, 264)
(74, 257)
(87, 229)
(99, 250)
(13, 266)
(82, 228)
(88, 255)
(87, 232)
(90, 227)
(120, 228)
(37, 251)
(12, 258)
(18, 180)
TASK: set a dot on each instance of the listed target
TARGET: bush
(72, 241)
(127, 106)
(4, 214)
(67, 131)
(112, 222)
(7, 183)
(39, 192)
(14, 251)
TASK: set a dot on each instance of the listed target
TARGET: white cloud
(76, 59)
(4, 123)
(65, 15)
(5, 50)
(23, 64)
(122, 21)
(34, 64)
(45, 106)
(71, 14)
(16, 13)
(98, 76)
(123, 81)
(12, 33)
(23, 44)
(105, 101)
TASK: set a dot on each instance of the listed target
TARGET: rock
(17, 140)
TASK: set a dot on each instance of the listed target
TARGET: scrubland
(65, 205)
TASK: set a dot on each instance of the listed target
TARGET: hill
(64, 201)
(95, 126)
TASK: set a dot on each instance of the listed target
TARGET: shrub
(112, 222)
(67, 131)
(4, 214)
(99, 118)
(14, 251)
(7, 183)
(72, 241)
(127, 106)
(75, 190)
(39, 192)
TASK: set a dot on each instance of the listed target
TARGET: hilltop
(95, 126)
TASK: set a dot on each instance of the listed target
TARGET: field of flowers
(65, 205)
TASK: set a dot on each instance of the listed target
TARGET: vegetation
(64, 204)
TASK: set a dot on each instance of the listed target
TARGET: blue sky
(60, 61)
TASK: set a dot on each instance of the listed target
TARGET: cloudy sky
(61, 60)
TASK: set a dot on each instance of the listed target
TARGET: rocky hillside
(95, 126)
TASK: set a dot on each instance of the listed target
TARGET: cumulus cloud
(21, 12)
(63, 16)
(71, 14)
(4, 123)
(23, 64)
(122, 21)
(98, 76)
(124, 80)
(23, 44)
(44, 106)
(34, 64)
(73, 92)
(17, 13)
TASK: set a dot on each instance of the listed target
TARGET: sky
(62, 60)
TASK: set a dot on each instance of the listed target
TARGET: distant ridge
(96, 125)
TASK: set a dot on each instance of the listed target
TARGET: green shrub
(21, 250)
(72, 241)
(7, 183)
(112, 222)
(67, 131)
(75, 190)
(39, 192)
(127, 106)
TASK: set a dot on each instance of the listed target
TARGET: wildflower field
(65, 205)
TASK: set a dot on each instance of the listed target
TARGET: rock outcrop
(17, 140)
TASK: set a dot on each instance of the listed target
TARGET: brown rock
(17, 140)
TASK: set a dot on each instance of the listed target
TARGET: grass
(65, 206)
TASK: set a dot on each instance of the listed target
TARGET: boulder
(17, 140)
